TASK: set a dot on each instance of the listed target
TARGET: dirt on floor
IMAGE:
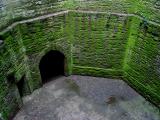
(86, 98)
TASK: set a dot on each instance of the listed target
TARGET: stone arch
(52, 64)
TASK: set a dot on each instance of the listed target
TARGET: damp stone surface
(118, 39)
(86, 98)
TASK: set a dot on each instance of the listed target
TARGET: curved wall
(99, 44)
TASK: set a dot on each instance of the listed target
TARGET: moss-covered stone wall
(13, 10)
(148, 9)
(94, 43)
(141, 69)
(99, 43)
(39, 37)
(27, 42)
(24, 46)
(12, 66)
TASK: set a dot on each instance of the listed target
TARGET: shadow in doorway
(21, 86)
(52, 65)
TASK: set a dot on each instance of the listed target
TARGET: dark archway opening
(51, 65)
(21, 86)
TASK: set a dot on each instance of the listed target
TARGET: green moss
(99, 72)
(105, 45)
(140, 61)
(148, 9)
(132, 37)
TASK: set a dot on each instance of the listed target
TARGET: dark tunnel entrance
(51, 65)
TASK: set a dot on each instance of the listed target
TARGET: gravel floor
(86, 98)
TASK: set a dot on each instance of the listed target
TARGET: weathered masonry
(105, 44)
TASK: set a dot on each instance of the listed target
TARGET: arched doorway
(51, 65)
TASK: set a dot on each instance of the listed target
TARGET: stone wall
(94, 43)
(75, 35)
(24, 46)
(99, 43)
(12, 67)
(39, 37)
(15, 10)
(141, 69)
(148, 9)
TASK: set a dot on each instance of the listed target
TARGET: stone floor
(86, 98)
